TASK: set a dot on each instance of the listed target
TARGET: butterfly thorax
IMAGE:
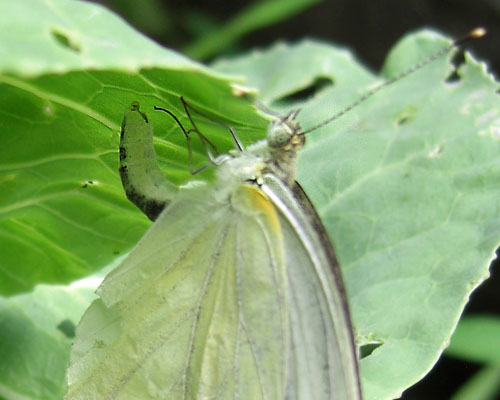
(277, 155)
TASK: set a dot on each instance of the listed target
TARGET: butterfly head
(284, 139)
(284, 134)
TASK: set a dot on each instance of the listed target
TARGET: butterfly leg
(187, 106)
(210, 149)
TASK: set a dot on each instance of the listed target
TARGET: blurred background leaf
(370, 28)
(257, 15)
(483, 385)
(476, 339)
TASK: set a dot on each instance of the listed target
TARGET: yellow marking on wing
(250, 200)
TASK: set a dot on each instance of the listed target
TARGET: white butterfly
(234, 292)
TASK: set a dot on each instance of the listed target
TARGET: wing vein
(236, 364)
(241, 317)
(120, 385)
(280, 295)
(208, 277)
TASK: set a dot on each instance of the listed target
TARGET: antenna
(472, 35)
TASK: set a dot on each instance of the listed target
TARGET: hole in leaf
(319, 84)
(67, 327)
(453, 77)
(405, 116)
(368, 349)
(403, 120)
(457, 61)
(65, 40)
(86, 184)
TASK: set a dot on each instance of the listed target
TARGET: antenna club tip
(477, 33)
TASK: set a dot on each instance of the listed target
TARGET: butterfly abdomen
(145, 184)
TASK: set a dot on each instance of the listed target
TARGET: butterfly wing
(197, 310)
(324, 362)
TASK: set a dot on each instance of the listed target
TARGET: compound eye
(278, 136)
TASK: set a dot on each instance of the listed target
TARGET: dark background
(369, 28)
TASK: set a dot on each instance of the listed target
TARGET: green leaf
(476, 339)
(59, 36)
(284, 70)
(63, 213)
(258, 15)
(407, 186)
(406, 183)
(36, 331)
(152, 17)
(484, 385)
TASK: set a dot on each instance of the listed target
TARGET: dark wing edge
(297, 209)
